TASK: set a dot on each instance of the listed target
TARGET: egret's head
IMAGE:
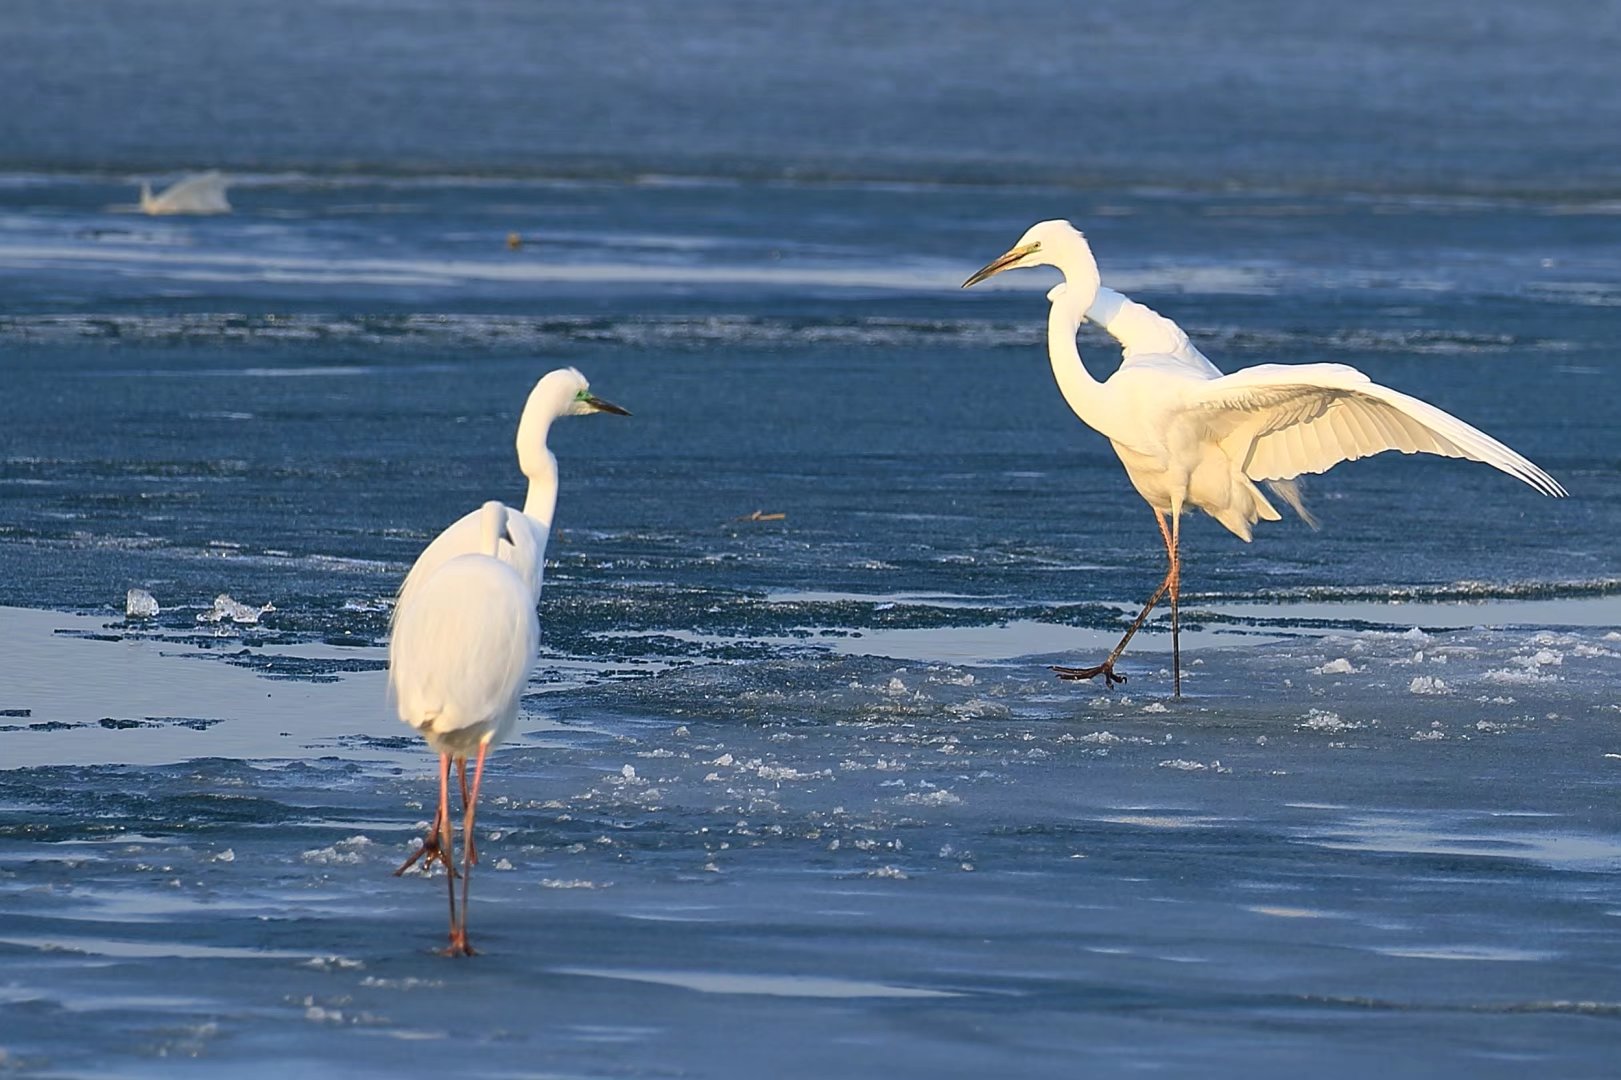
(565, 392)
(1046, 243)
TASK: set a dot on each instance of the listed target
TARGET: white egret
(1190, 436)
(435, 617)
(458, 660)
(200, 193)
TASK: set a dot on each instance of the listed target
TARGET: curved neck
(1080, 390)
(540, 467)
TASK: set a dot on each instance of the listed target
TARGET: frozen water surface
(942, 864)
(794, 793)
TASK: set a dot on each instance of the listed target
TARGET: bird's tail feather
(1289, 492)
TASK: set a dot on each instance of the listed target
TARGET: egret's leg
(458, 935)
(447, 839)
(1175, 546)
(429, 850)
(468, 847)
(1106, 669)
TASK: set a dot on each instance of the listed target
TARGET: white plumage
(460, 655)
(465, 633)
(1190, 436)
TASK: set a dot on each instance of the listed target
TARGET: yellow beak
(1000, 263)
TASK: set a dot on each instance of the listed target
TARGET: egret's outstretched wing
(525, 553)
(1282, 420)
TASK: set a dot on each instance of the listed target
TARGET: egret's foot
(1076, 674)
(459, 945)
(429, 852)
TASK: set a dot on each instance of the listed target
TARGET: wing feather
(525, 552)
(1284, 421)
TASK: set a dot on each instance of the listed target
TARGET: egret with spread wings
(1190, 436)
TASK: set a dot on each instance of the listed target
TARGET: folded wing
(525, 552)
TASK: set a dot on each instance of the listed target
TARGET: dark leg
(1106, 669)
(459, 945)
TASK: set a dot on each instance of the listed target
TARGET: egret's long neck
(540, 467)
(1069, 308)
(1080, 390)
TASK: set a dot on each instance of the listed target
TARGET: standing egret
(425, 625)
(458, 660)
(563, 392)
(1190, 436)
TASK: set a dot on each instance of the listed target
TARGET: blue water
(862, 832)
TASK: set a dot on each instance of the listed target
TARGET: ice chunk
(342, 853)
(1427, 684)
(937, 797)
(1512, 677)
(1325, 720)
(1342, 666)
(199, 193)
(140, 604)
(227, 608)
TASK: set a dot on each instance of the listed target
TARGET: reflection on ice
(808, 986)
(1467, 952)
(145, 950)
(1415, 834)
